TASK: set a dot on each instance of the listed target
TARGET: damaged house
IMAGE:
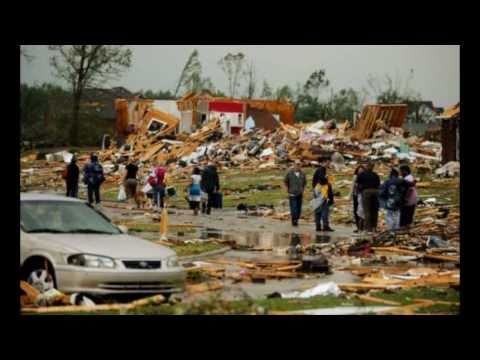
(234, 114)
(450, 133)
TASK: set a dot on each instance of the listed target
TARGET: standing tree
(315, 83)
(284, 93)
(251, 81)
(191, 76)
(83, 66)
(233, 67)
(266, 91)
(388, 91)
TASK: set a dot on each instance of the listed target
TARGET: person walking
(209, 184)
(408, 209)
(71, 176)
(194, 191)
(392, 194)
(323, 190)
(368, 184)
(295, 182)
(157, 182)
(354, 196)
(93, 178)
(130, 181)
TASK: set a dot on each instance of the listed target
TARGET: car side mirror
(123, 229)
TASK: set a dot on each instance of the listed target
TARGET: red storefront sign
(225, 107)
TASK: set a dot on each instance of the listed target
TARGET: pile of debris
(32, 301)
(256, 271)
(259, 149)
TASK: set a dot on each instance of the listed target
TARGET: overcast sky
(436, 67)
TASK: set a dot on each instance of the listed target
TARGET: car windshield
(63, 217)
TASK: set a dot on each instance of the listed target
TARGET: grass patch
(406, 296)
(439, 309)
(315, 302)
(109, 195)
(196, 248)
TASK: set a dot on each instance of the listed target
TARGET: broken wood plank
(274, 274)
(204, 287)
(359, 286)
(416, 253)
(31, 292)
(290, 267)
(377, 300)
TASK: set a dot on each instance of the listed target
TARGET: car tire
(35, 273)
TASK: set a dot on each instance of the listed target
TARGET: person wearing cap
(93, 178)
(71, 176)
(295, 182)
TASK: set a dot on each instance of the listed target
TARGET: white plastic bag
(329, 288)
(122, 196)
(315, 203)
(147, 188)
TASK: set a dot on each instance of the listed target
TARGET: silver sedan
(66, 244)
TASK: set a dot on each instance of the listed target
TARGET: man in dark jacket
(295, 182)
(320, 172)
(368, 183)
(71, 179)
(210, 184)
(93, 178)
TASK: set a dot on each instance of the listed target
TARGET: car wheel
(41, 280)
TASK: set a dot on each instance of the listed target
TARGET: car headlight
(172, 262)
(91, 261)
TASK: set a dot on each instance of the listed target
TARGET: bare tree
(190, 76)
(233, 67)
(83, 66)
(267, 92)
(251, 81)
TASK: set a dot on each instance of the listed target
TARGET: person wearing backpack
(157, 182)
(392, 193)
(323, 190)
(93, 178)
(71, 175)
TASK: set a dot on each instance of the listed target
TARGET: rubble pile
(259, 149)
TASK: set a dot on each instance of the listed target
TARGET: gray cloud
(436, 67)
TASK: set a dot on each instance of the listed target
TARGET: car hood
(116, 246)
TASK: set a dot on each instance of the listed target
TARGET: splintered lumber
(419, 303)
(289, 267)
(381, 281)
(152, 300)
(417, 253)
(365, 287)
(204, 287)
(273, 274)
(73, 309)
(232, 262)
(157, 299)
(31, 292)
(377, 300)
